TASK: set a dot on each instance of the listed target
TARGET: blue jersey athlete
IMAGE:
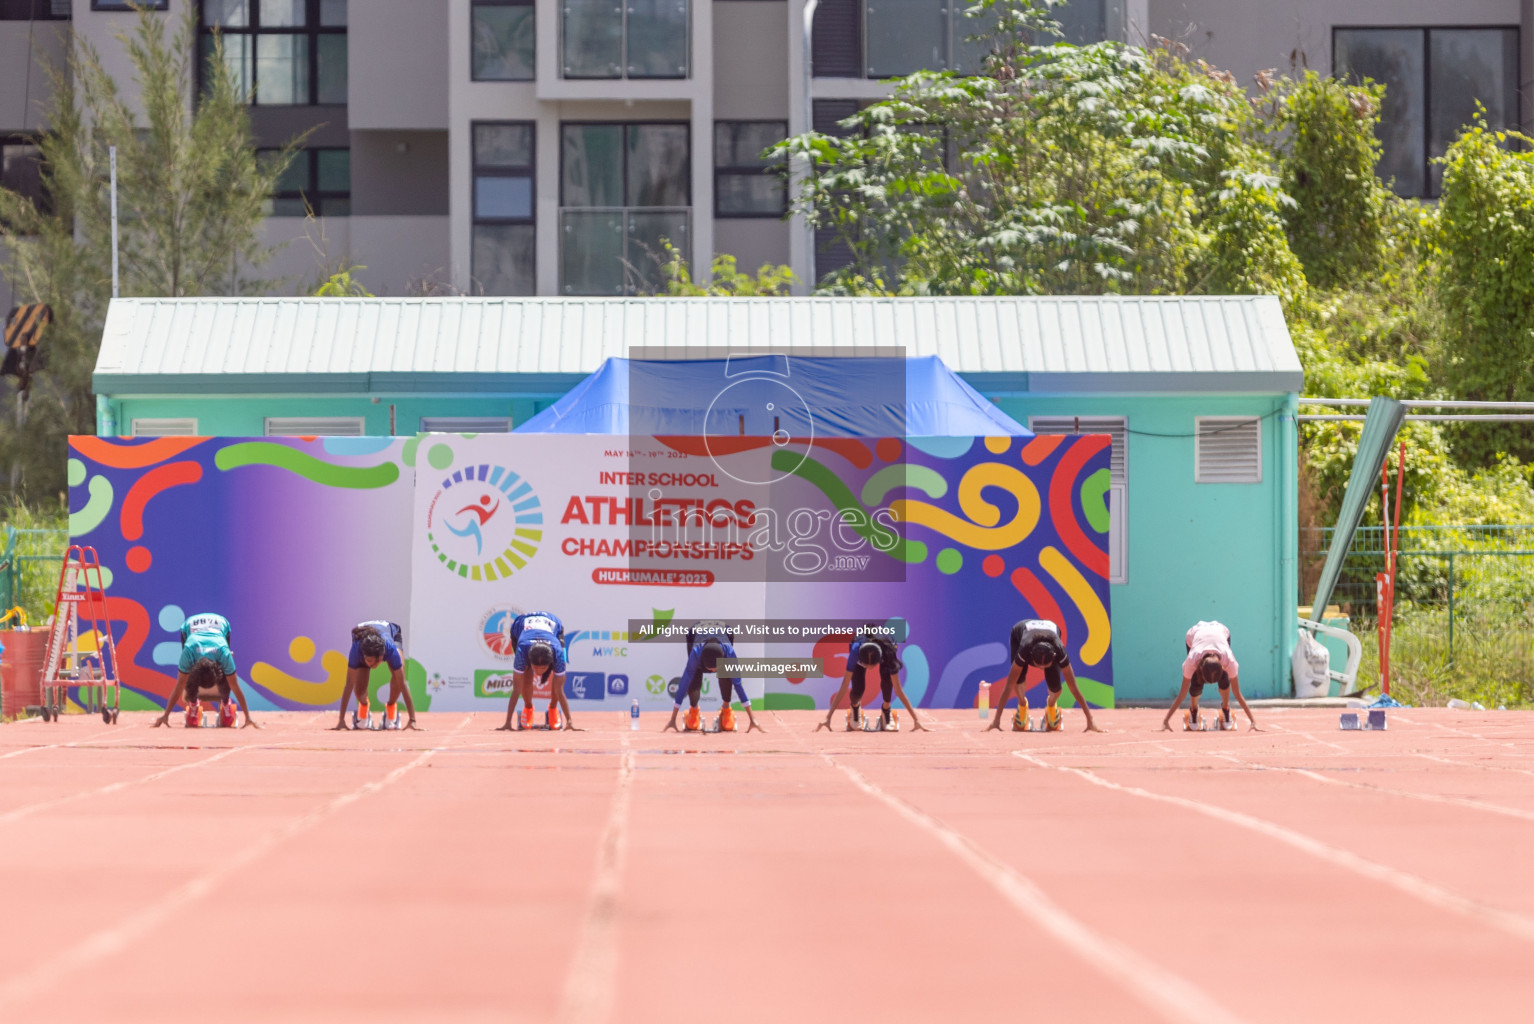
(706, 644)
(374, 643)
(1037, 643)
(868, 653)
(540, 645)
(206, 663)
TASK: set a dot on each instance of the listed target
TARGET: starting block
(1027, 723)
(875, 723)
(717, 725)
(1374, 722)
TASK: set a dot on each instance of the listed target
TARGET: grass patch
(1492, 660)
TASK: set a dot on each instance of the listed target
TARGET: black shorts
(1196, 684)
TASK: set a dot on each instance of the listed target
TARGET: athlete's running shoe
(551, 717)
(359, 722)
(888, 721)
(694, 720)
(1020, 721)
(854, 718)
(528, 720)
(226, 714)
(193, 716)
(1052, 719)
(726, 719)
(1190, 721)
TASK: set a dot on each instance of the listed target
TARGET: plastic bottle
(1457, 704)
(984, 703)
(634, 716)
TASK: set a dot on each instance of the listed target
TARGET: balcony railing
(619, 250)
(624, 38)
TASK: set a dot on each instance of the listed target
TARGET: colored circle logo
(656, 685)
(495, 632)
(484, 523)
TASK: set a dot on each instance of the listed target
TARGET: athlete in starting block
(865, 654)
(1037, 643)
(374, 642)
(206, 663)
(1209, 660)
(706, 644)
(540, 640)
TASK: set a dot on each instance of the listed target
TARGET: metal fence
(29, 569)
(1462, 586)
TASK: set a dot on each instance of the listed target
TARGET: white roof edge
(1240, 337)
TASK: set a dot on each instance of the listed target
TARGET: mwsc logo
(484, 523)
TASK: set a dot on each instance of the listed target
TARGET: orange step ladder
(90, 672)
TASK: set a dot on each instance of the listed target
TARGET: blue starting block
(1374, 721)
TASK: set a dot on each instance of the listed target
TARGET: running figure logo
(484, 523)
(476, 516)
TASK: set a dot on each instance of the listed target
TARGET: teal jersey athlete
(206, 635)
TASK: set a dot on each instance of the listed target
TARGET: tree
(725, 277)
(1062, 169)
(191, 196)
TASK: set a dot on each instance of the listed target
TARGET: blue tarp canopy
(757, 395)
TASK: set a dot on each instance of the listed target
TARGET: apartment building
(515, 147)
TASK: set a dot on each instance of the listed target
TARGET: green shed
(1198, 393)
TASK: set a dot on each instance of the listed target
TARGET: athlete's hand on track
(917, 726)
(823, 725)
(339, 726)
(251, 723)
(994, 725)
(1255, 729)
(753, 725)
(1094, 727)
(411, 725)
(508, 727)
(1166, 726)
(162, 720)
(670, 725)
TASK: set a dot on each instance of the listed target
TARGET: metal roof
(536, 345)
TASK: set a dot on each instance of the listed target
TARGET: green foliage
(1063, 169)
(1324, 134)
(190, 202)
(1485, 279)
(36, 573)
(725, 277)
(341, 284)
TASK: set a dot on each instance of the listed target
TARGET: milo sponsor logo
(490, 683)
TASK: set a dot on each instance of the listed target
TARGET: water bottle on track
(634, 716)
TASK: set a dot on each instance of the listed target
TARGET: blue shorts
(519, 664)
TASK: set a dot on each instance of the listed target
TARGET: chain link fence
(1464, 616)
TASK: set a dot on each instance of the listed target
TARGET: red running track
(464, 874)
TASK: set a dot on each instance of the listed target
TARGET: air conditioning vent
(1227, 450)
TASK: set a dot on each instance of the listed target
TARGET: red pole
(1395, 555)
(1384, 590)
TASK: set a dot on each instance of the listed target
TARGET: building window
(281, 52)
(466, 424)
(631, 39)
(745, 183)
(502, 41)
(503, 259)
(624, 190)
(119, 5)
(318, 179)
(1433, 78)
(165, 427)
(314, 426)
(21, 169)
(1116, 427)
(43, 10)
(892, 38)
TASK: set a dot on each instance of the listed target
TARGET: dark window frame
(33, 10)
(624, 170)
(312, 29)
(42, 201)
(478, 170)
(122, 6)
(1427, 79)
(742, 171)
(474, 4)
(313, 195)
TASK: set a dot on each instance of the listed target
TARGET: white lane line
(590, 985)
(1512, 923)
(113, 940)
(53, 746)
(1432, 798)
(1476, 736)
(1481, 767)
(1313, 739)
(27, 810)
(1168, 995)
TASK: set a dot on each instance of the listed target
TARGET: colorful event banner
(295, 540)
